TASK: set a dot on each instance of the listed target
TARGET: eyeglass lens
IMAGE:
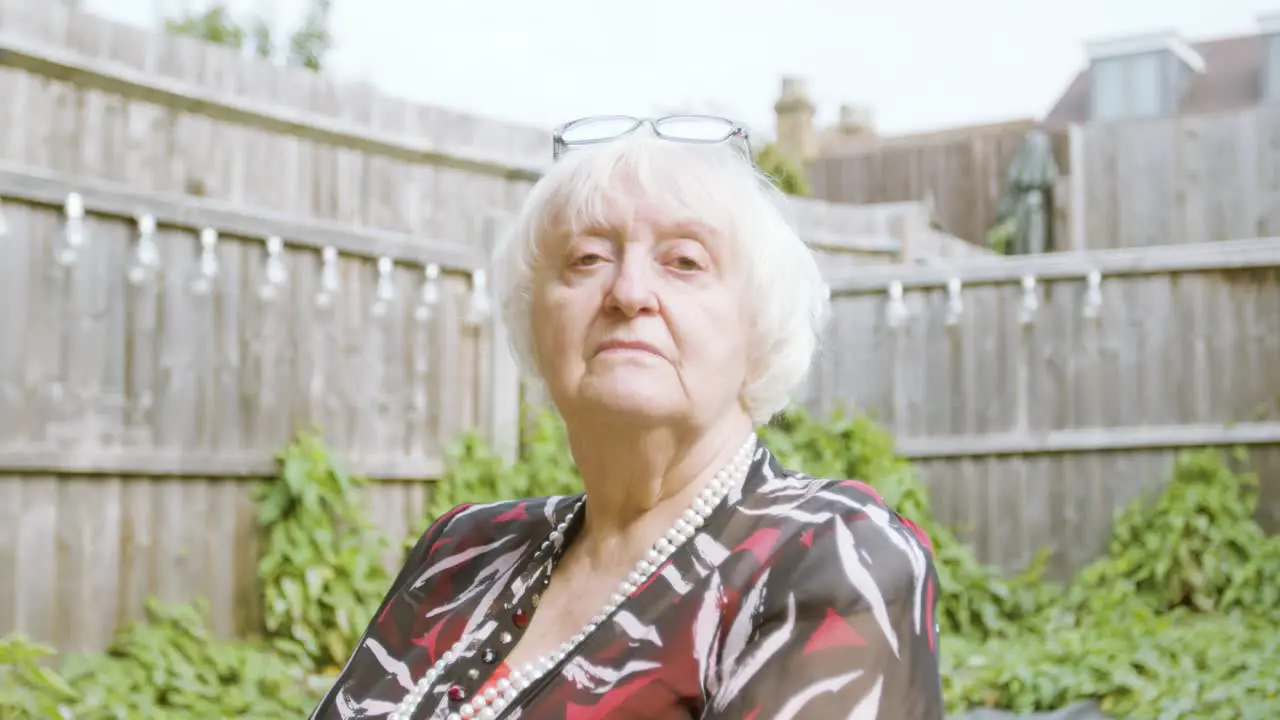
(696, 129)
(598, 129)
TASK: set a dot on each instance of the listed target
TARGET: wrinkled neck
(639, 480)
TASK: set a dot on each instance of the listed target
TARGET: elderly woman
(652, 283)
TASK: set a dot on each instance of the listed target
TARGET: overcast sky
(920, 64)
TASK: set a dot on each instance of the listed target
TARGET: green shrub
(29, 689)
(321, 568)
(1178, 619)
(171, 667)
(475, 474)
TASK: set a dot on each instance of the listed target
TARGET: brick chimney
(796, 138)
(856, 120)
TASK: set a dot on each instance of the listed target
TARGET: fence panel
(1036, 401)
(150, 370)
(1180, 180)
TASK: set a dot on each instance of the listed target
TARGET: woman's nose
(634, 288)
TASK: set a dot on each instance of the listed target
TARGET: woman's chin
(631, 398)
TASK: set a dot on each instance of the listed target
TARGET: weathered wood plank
(50, 189)
(1089, 440)
(59, 64)
(1225, 255)
(196, 465)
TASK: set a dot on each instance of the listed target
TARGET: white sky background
(920, 64)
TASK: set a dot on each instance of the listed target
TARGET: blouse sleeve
(846, 628)
(418, 555)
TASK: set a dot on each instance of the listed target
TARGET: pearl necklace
(494, 700)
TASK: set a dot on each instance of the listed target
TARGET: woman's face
(641, 315)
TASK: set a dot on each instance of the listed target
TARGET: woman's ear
(746, 382)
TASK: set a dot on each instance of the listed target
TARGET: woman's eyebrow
(696, 229)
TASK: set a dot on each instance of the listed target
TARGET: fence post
(908, 226)
(1076, 182)
(504, 374)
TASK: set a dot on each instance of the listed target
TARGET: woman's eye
(587, 260)
(687, 263)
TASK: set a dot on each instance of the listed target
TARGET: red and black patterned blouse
(798, 598)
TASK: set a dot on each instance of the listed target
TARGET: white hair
(787, 297)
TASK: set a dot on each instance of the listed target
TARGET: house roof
(1232, 80)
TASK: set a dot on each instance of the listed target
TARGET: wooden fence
(961, 171)
(1178, 180)
(151, 366)
(1163, 181)
(1039, 394)
(879, 233)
